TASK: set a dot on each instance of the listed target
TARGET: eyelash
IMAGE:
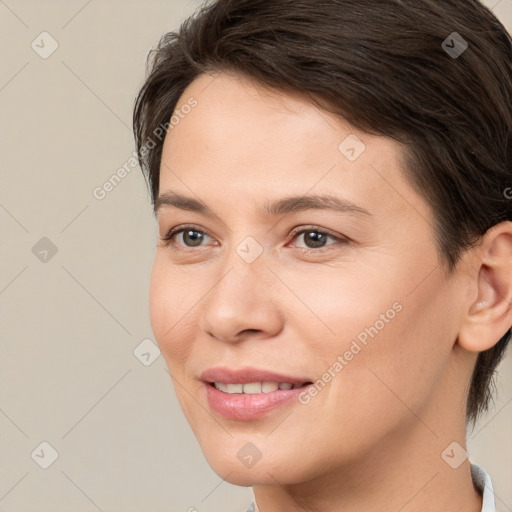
(168, 239)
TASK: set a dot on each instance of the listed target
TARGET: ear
(489, 316)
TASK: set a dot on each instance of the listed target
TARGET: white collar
(480, 478)
(483, 483)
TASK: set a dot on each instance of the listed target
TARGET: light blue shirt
(481, 480)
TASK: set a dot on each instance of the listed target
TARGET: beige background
(70, 325)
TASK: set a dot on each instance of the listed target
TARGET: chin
(245, 478)
(248, 477)
(264, 471)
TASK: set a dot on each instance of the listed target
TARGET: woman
(332, 283)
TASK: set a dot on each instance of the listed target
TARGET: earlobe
(489, 316)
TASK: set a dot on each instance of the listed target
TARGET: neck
(404, 473)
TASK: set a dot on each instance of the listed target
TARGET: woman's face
(348, 296)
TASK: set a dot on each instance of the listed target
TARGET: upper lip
(246, 375)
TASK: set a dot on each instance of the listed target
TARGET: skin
(372, 439)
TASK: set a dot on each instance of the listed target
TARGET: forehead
(242, 138)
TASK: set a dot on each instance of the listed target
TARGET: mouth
(254, 388)
(248, 393)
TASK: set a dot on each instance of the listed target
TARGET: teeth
(235, 388)
(251, 388)
(268, 387)
(221, 386)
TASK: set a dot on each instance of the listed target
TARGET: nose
(243, 303)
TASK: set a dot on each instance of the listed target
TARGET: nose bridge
(242, 276)
(240, 298)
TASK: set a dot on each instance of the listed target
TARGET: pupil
(196, 240)
(318, 239)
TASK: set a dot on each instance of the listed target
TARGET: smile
(252, 388)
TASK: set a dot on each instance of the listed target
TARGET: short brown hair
(386, 67)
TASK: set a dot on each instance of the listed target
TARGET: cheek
(337, 306)
(159, 301)
(401, 361)
(391, 342)
(168, 314)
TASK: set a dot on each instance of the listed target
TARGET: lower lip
(241, 406)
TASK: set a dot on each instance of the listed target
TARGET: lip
(246, 375)
(244, 406)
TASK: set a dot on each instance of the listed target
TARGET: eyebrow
(280, 207)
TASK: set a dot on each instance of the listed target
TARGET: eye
(191, 236)
(315, 238)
